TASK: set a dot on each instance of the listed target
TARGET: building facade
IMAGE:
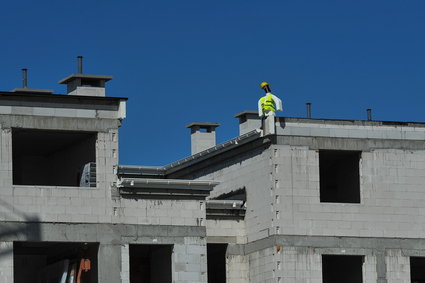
(313, 200)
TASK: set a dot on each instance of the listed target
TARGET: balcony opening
(417, 269)
(339, 176)
(150, 263)
(53, 158)
(42, 262)
(342, 268)
(216, 258)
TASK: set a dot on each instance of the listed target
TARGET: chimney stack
(248, 121)
(85, 84)
(202, 135)
(25, 88)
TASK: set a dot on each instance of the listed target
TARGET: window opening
(53, 158)
(216, 258)
(42, 262)
(339, 176)
(417, 269)
(150, 263)
(342, 268)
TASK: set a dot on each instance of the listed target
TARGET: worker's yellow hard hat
(264, 84)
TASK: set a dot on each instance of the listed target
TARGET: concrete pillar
(397, 267)
(237, 269)
(109, 263)
(6, 262)
(269, 127)
(189, 261)
(125, 264)
(369, 269)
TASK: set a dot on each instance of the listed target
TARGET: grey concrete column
(6, 262)
(381, 267)
(109, 263)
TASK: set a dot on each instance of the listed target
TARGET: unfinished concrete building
(63, 217)
(318, 201)
(314, 201)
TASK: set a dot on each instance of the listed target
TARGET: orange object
(85, 265)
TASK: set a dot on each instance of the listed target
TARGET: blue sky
(185, 61)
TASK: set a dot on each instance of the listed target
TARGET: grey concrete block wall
(89, 205)
(237, 269)
(252, 172)
(294, 265)
(226, 231)
(189, 261)
(349, 129)
(94, 214)
(261, 266)
(391, 187)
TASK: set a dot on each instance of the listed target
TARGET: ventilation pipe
(369, 114)
(80, 64)
(308, 106)
(24, 78)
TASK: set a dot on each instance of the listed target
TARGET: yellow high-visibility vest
(267, 103)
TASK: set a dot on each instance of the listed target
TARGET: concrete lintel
(348, 143)
(58, 123)
(334, 244)
(95, 232)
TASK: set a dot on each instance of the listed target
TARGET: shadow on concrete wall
(25, 228)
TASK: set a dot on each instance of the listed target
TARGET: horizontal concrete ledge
(348, 143)
(94, 232)
(335, 245)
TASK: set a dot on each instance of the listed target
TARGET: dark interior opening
(216, 258)
(417, 269)
(42, 262)
(342, 268)
(52, 158)
(150, 263)
(339, 176)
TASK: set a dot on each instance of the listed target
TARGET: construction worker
(267, 106)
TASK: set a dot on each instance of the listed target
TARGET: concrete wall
(252, 171)
(391, 187)
(226, 231)
(262, 265)
(189, 261)
(298, 265)
(38, 213)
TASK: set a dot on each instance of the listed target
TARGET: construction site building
(317, 201)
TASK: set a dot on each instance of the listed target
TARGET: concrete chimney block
(202, 136)
(248, 121)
